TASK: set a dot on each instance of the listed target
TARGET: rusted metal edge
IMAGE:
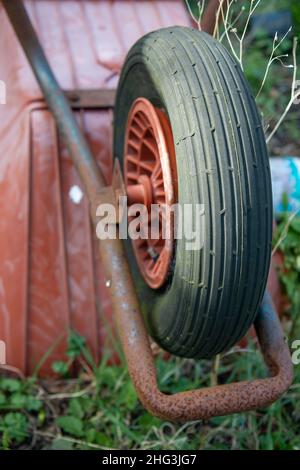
(184, 406)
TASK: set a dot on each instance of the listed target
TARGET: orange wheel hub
(150, 177)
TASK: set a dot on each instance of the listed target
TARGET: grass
(100, 409)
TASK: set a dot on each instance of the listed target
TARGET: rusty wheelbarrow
(186, 133)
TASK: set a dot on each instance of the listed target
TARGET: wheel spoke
(151, 146)
(146, 165)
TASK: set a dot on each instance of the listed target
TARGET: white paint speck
(75, 194)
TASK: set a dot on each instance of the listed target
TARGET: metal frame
(190, 405)
(91, 99)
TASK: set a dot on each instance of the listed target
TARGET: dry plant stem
(231, 25)
(272, 59)
(216, 29)
(294, 95)
(201, 6)
(227, 29)
(62, 396)
(252, 9)
(238, 350)
(70, 439)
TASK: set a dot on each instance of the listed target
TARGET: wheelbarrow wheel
(208, 297)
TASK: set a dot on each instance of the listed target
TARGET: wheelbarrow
(186, 133)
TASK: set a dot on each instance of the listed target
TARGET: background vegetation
(99, 409)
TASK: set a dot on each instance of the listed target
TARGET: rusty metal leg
(190, 405)
(212, 15)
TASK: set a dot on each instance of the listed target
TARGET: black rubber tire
(213, 294)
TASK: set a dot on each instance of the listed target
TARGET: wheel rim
(150, 178)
